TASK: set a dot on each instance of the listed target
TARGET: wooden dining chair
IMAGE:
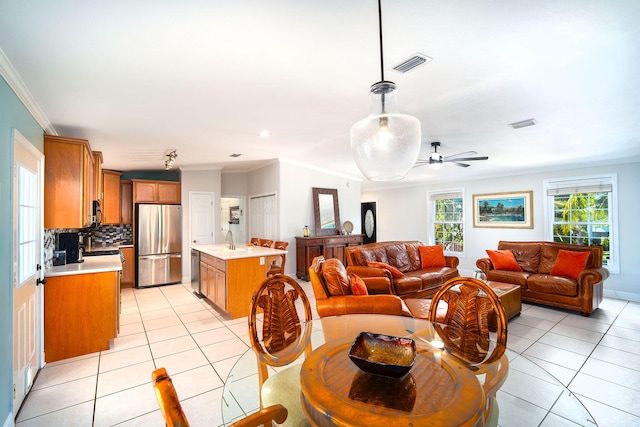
(279, 339)
(467, 334)
(174, 416)
(255, 241)
(265, 243)
(278, 267)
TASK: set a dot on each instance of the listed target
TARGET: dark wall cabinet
(307, 248)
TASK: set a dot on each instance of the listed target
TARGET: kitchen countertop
(94, 264)
(223, 252)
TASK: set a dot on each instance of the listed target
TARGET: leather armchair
(335, 305)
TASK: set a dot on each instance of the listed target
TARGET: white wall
(402, 215)
(197, 180)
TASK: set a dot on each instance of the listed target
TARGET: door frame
(18, 138)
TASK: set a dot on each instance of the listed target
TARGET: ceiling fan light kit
(386, 144)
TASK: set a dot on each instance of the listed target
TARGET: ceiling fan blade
(420, 163)
(462, 165)
(466, 159)
(465, 154)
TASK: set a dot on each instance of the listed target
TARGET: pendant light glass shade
(385, 145)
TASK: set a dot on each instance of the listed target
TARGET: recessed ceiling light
(235, 155)
(264, 134)
(523, 123)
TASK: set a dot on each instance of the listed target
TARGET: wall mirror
(326, 212)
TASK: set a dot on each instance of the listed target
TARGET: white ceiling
(142, 78)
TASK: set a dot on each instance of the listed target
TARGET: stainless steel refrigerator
(158, 244)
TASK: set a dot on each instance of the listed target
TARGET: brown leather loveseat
(544, 280)
(418, 277)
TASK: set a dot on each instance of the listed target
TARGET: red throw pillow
(394, 271)
(503, 260)
(432, 256)
(357, 286)
(569, 263)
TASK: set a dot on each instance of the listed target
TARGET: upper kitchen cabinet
(69, 182)
(97, 173)
(126, 202)
(148, 191)
(111, 201)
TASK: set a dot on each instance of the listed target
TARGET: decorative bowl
(383, 354)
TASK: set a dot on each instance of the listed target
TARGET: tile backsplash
(109, 235)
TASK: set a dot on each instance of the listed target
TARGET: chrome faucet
(229, 239)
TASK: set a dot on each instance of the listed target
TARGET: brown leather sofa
(416, 282)
(333, 298)
(537, 259)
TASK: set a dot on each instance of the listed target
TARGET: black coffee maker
(70, 243)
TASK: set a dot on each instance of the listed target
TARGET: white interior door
(28, 229)
(202, 217)
(264, 217)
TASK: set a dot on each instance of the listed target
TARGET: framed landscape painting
(503, 210)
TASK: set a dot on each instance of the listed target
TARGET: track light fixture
(168, 164)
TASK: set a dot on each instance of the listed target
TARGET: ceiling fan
(437, 159)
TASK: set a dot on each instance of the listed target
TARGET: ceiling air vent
(523, 123)
(412, 62)
(235, 155)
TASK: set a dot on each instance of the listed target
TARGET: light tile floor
(597, 358)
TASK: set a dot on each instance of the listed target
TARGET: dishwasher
(195, 273)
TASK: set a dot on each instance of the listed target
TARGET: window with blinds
(447, 220)
(582, 212)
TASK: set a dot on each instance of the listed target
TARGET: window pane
(448, 224)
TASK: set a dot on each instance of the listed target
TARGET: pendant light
(385, 145)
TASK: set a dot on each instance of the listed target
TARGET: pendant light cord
(380, 32)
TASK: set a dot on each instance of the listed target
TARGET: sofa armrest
(360, 304)
(377, 280)
(451, 261)
(592, 276)
(484, 264)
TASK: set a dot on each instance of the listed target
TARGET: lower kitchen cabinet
(81, 314)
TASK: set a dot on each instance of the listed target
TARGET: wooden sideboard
(307, 248)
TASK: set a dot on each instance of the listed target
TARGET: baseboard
(629, 296)
(9, 422)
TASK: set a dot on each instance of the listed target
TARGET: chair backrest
(470, 304)
(317, 281)
(255, 241)
(168, 399)
(266, 243)
(174, 415)
(286, 324)
(278, 268)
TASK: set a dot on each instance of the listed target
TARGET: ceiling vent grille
(235, 155)
(412, 62)
(523, 124)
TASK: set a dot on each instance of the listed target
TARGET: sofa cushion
(505, 276)
(398, 257)
(569, 263)
(431, 256)
(548, 255)
(413, 251)
(557, 285)
(394, 271)
(503, 260)
(357, 285)
(407, 284)
(528, 259)
(335, 277)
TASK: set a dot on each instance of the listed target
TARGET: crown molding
(15, 82)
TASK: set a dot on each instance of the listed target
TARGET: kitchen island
(229, 277)
(81, 307)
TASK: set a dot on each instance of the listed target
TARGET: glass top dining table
(331, 339)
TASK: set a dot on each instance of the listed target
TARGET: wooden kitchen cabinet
(111, 203)
(128, 266)
(126, 202)
(81, 314)
(307, 248)
(69, 184)
(213, 280)
(97, 173)
(148, 191)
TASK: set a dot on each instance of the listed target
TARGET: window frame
(582, 181)
(431, 215)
